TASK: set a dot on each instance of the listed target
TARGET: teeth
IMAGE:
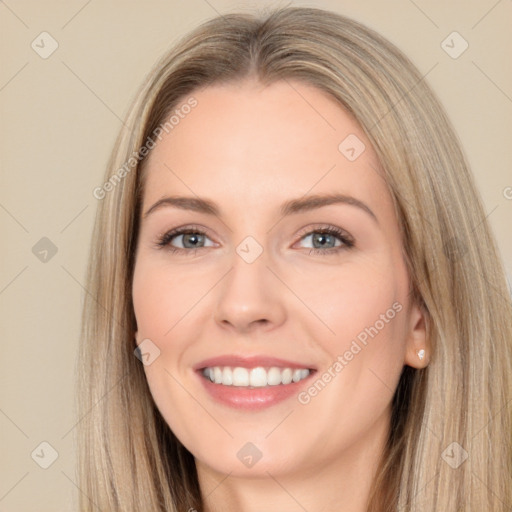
(287, 376)
(227, 377)
(255, 377)
(274, 376)
(240, 377)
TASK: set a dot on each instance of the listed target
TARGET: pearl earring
(421, 354)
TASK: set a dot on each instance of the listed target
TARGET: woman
(370, 375)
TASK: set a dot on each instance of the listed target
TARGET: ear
(417, 350)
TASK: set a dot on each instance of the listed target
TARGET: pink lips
(246, 398)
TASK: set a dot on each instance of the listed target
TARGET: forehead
(244, 141)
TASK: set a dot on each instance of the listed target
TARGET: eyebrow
(290, 207)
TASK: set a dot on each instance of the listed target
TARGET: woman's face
(260, 285)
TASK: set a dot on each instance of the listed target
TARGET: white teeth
(227, 376)
(256, 377)
(240, 377)
(287, 376)
(299, 375)
(274, 376)
(217, 375)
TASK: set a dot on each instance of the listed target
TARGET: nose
(250, 297)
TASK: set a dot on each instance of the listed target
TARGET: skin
(242, 143)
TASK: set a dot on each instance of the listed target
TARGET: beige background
(60, 116)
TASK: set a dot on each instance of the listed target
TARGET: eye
(191, 238)
(324, 240)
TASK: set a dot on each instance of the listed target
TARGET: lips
(266, 380)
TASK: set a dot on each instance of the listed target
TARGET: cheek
(161, 298)
(365, 313)
(354, 300)
(364, 354)
(161, 302)
(364, 309)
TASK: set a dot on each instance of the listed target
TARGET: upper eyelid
(319, 227)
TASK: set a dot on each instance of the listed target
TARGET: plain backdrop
(60, 114)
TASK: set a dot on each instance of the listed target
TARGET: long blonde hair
(129, 460)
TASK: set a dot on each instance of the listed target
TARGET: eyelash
(165, 240)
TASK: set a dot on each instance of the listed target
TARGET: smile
(255, 377)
